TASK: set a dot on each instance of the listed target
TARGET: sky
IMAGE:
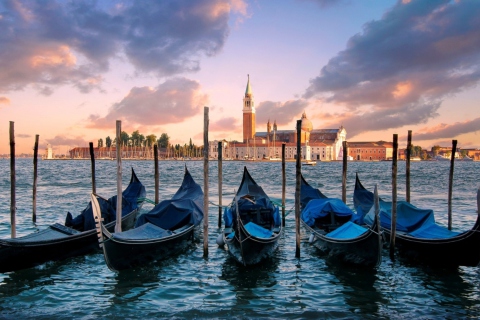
(70, 69)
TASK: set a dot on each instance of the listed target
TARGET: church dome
(306, 124)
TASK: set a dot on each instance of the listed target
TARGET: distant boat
(466, 158)
(310, 163)
(415, 159)
(441, 158)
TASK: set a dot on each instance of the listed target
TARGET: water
(190, 286)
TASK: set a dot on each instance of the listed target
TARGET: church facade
(316, 144)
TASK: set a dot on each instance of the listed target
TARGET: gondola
(77, 237)
(159, 233)
(418, 237)
(252, 235)
(337, 231)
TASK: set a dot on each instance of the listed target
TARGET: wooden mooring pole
(450, 184)
(35, 174)
(220, 180)
(205, 182)
(393, 227)
(344, 172)
(13, 204)
(92, 160)
(407, 165)
(298, 173)
(284, 184)
(118, 222)
(156, 177)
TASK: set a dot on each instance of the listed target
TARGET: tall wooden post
(298, 174)
(284, 184)
(205, 181)
(220, 180)
(407, 172)
(450, 184)
(35, 174)
(92, 160)
(13, 204)
(118, 222)
(157, 184)
(393, 227)
(344, 172)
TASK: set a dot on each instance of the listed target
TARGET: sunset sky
(70, 69)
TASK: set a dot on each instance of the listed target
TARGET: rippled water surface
(191, 286)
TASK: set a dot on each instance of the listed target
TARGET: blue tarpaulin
(348, 230)
(319, 208)
(258, 231)
(409, 217)
(84, 221)
(185, 207)
(144, 232)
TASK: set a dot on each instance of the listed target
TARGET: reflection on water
(191, 286)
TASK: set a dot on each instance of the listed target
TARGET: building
(370, 151)
(316, 144)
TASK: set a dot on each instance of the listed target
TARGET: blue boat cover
(185, 207)
(308, 193)
(409, 217)
(84, 221)
(348, 230)
(250, 197)
(415, 222)
(144, 232)
(319, 208)
(258, 231)
(433, 231)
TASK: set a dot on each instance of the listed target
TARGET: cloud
(23, 135)
(225, 124)
(4, 100)
(171, 102)
(326, 3)
(379, 120)
(447, 131)
(50, 43)
(283, 113)
(72, 142)
(417, 54)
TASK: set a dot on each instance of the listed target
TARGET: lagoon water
(191, 286)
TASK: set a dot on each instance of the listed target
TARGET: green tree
(435, 150)
(100, 143)
(164, 140)
(151, 140)
(124, 138)
(108, 142)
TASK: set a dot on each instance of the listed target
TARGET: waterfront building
(316, 144)
(371, 151)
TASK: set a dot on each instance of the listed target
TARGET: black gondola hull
(460, 250)
(365, 250)
(122, 254)
(25, 252)
(250, 250)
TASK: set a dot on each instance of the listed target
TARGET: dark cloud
(171, 102)
(283, 113)
(448, 131)
(23, 135)
(419, 53)
(356, 122)
(51, 42)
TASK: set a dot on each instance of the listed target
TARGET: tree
(435, 150)
(164, 140)
(100, 143)
(135, 137)
(124, 138)
(108, 142)
(151, 140)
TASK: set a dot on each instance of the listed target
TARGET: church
(316, 144)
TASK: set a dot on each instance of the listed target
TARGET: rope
(146, 200)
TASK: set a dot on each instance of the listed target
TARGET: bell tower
(248, 113)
